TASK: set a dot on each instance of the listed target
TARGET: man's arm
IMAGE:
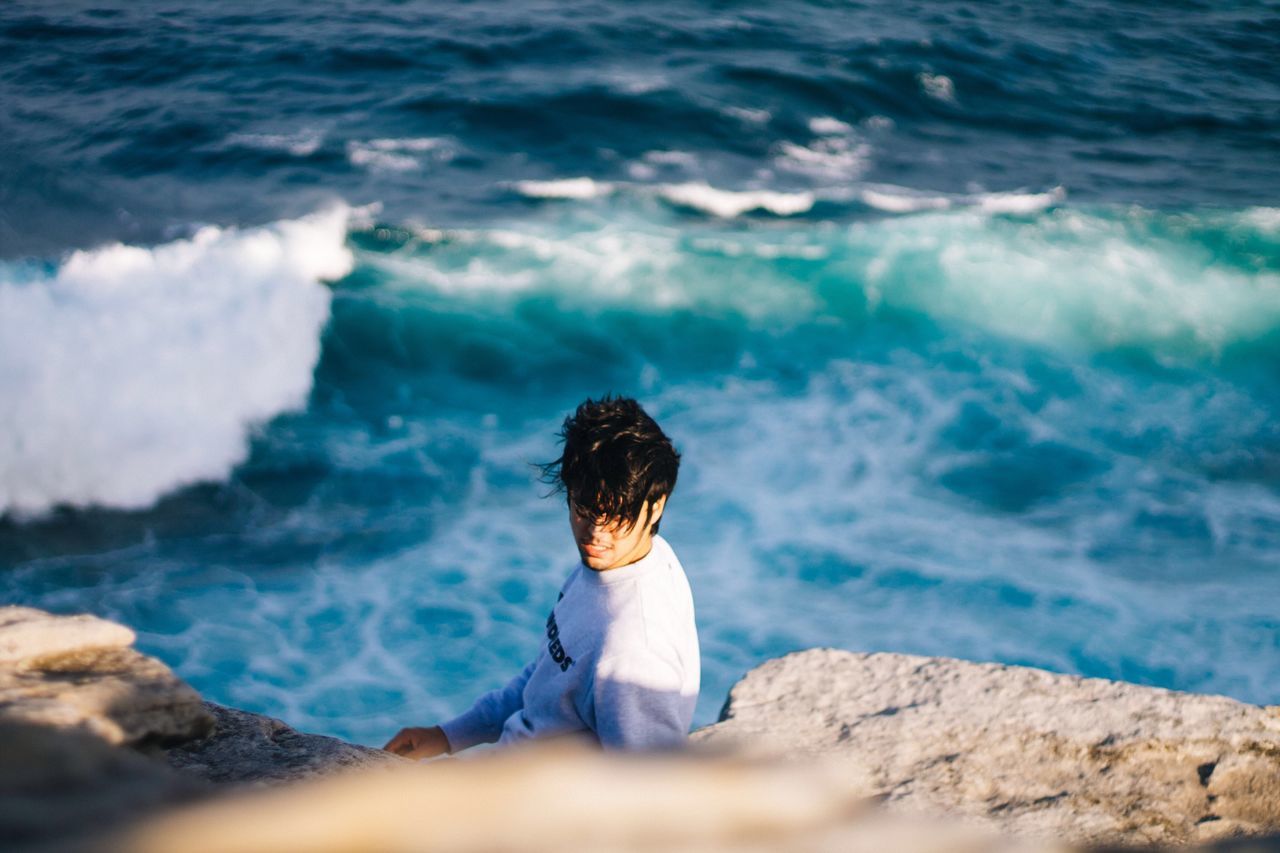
(482, 723)
(638, 704)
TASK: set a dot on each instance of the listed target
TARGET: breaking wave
(130, 371)
(1178, 285)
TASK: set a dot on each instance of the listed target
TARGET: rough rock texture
(71, 691)
(247, 747)
(74, 696)
(79, 672)
(1054, 758)
(1024, 750)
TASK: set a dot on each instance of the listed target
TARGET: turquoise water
(944, 433)
(1009, 400)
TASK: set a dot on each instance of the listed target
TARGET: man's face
(609, 544)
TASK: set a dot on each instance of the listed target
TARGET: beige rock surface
(548, 798)
(552, 797)
(74, 696)
(806, 742)
(1023, 750)
(27, 635)
(80, 673)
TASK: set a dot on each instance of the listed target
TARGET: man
(619, 661)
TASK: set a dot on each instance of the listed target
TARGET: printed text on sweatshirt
(619, 658)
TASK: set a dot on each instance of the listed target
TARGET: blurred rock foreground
(103, 748)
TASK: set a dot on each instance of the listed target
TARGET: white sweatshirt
(619, 659)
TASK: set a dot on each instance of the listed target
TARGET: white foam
(898, 200)
(728, 204)
(569, 188)
(421, 143)
(1070, 278)
(683, 159)
(636, 83)
(937, 86)
(770, 251)
(653, 163)
(477, 277)
(1066, 277)
(1263, 218)
(631, 263)
(748, 115)
(132, 371)
(399, 155)
(775, 250)
(302, 143)
(382, 160)
(1016, 202)
(827, 157)
(365, 215)
(827, 125)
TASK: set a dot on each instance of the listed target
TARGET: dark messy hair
(616, 460)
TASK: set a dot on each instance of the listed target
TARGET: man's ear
(655, 510)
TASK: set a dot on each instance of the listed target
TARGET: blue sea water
(965, 318)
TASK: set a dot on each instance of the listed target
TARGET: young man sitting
(619, 662)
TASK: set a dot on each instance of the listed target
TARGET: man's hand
(419, 743)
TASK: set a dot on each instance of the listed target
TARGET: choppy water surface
(966, 320)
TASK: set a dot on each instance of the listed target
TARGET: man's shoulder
(676, 577)
(660, 542)
(569, 579)
(648, 615)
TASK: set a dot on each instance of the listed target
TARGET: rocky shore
(104, 748)
(1026, 751)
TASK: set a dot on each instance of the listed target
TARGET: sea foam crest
(937, 86)
(900, 200)
(892, 199)
(1096, 279)
(1018, 202)
(128, 372)
(399, 155)
(299, 143)
(730, 203)
(571, 188)
(1093, 278)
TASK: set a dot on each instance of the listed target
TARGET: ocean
(964, 317)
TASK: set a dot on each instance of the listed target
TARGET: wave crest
(727, 204)
(1180, 286)
(128, 372)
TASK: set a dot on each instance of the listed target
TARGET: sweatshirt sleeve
(638, 704)
(483, 722)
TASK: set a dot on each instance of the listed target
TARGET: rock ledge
(80, 673)
(1024, 750)
(248, 748)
